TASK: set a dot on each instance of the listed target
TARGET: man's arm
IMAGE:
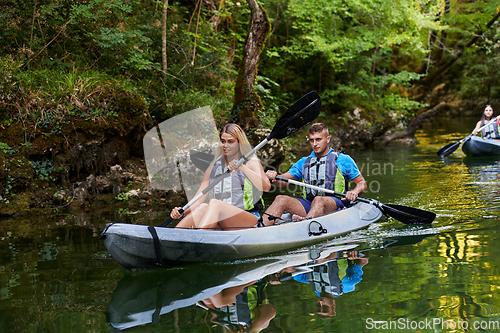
(360, 188)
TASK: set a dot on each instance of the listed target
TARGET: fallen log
(409, 132)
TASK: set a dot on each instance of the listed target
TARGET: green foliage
(347, 47)
(481, 64)
(46, 97)
(43, 169)
(7, 190)
(189, 99)
(267, 89)
(123, 197)
(6, 149)
(61, 59)
(129, 48)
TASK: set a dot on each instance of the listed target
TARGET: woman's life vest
(236, 189)
(491, 131)
(324, 173)
(240, 312)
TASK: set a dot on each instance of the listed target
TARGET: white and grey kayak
(479, 147)
(142, 246)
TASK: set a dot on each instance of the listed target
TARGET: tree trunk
(164, 37)
(246, 100)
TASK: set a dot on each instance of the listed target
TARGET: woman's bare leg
(195, 216)
(223, 215)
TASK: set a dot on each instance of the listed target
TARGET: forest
(108, 70)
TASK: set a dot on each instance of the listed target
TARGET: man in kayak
(491, 131)
(324, 167)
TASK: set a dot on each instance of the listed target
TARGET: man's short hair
(318, 127)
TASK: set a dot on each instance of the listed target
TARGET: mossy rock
(16, 204)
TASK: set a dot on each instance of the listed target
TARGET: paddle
(405, 214)
(301, 113)
(200, 159)
(451, 147)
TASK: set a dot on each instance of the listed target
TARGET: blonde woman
(236, 201)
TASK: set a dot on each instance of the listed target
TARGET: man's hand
(351, 195)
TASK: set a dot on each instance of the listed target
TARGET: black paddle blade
(408, 215)
(301, 113)
(200, 159)
(448, 149)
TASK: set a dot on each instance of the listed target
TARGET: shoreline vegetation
(81, 83)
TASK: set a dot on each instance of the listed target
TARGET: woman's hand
(175, 213)
(271, 174)
(231, 166)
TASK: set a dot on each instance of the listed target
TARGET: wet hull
(479, 147)
(132, 245)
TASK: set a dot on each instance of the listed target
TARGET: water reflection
(234, 295)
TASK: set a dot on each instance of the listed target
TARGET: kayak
(479, 147)
(142, 246)
(141, 298)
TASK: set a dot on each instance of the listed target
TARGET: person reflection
(330, 277)
(242, 308)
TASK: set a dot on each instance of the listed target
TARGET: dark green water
(56, 275)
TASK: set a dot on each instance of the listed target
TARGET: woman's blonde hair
(236, 131)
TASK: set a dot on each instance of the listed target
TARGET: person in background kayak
(324, 167)
(491, 131)
(236, 200)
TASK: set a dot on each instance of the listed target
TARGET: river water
(57, 276)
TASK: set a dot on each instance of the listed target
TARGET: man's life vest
(236, 189)
(324, 173)
(328, 277)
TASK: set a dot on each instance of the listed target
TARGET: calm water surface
(56, 275)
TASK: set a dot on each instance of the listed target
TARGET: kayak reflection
(235, 294)
(141, 297)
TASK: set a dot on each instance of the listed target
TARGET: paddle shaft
(479, 129)
(485, 125)
(405, 214)
(317, 188)
(243, 159)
